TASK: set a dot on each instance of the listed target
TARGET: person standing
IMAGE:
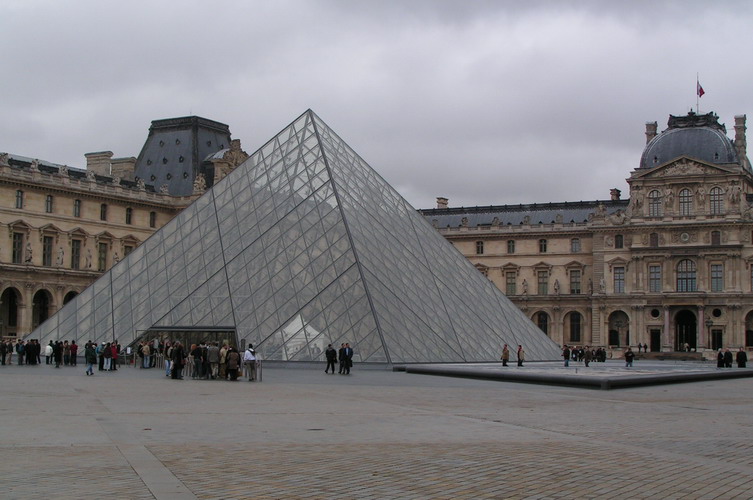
(114, 352)
(4, 351)
(233, 363)
(66, 353)
(90, 357)
(100, 350)
(249, 360)
(727, 358)
(147, 351)
(178, 358)
(742, 358)
(521, 355)
(566, 355)
(57, 353)
(223, 362)
(341, 358)
(213, 355)
(505, 355)
(331, 355)
(588, 356)
(20, 350)
(348, 352)
(629, 357)
(168, 351)
(74, 353)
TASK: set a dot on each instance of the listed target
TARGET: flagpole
(697, 96)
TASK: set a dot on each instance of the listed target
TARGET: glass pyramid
(301, 246)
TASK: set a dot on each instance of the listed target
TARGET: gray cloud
(485, 102)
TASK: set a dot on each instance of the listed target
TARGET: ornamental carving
(685, 167)
(619, 218)
(4, 159)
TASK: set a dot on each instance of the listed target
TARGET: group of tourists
(208, 361)
(586, 354)
(724, 359)
(344, 355)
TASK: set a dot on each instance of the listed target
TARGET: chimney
(650, 131)
(123, 168)
(99, 162)
(614, 194)
(740, 143)
(442, 202)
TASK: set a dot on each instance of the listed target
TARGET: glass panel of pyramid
(301, 246)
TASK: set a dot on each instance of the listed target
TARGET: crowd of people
(203, 361)
(724, 358)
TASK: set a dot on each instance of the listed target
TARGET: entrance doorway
(717, 341)
(655, 340)
(686, 328)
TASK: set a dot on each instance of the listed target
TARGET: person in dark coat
(178, 358)
(348, 353)
(341, 358)
(331, 355)
(90, 358)
(629, 357)
(720, 359)
(727, 358)
(742, 358)
(57, 353)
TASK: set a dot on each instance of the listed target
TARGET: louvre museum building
(669, 267)
(302, 244)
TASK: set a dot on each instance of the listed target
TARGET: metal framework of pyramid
(304, 245)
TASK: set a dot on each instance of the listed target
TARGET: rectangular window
(717, 278)
(19, 199)
(575, 281)
(575, 245)
(75, 254)
(18, 248)
(654, 278)
(543, 282)
(510, 288)
(103, 211)
(102, 257)
(77, 208)
(479, 248)
(619, 280)
(542, 246)
(129, 215)
(47, 251)
(48, 204)
(619, 241)
(127, 249)
(510, 246)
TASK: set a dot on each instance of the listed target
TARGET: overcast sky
(484, 102)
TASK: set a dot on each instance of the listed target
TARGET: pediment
(50, 228)
(78, 232)
(681, 167)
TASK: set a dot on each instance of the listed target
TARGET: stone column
(704, 336)
(666, 344)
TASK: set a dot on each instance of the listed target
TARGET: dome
(696, 136)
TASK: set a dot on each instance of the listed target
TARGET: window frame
(654, 204)
(542, 245)
(686, 271)
(716, 201)
(618, 279)
(685, 197)
(48, 203)
(19, 198)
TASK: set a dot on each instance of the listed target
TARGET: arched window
(479, 248)
(575, 326)
(654, 204)
(716, 199)
(542, 321)
(686, 276)
(686, 201)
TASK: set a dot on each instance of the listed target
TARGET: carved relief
(495, 222)
(34, 165)
(619, 218)
(90, 176)
(608, 241)
(464, 222)
(200, 184)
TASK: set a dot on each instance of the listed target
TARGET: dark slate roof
(697, 136)
(537, 213)
(175, 149)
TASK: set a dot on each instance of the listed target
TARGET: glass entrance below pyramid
(189, 336)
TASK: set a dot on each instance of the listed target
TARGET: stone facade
(670, 267)
(62, 227)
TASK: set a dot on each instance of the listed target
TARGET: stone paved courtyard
(374, 435)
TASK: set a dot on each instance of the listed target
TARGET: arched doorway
(40, 308)
(69, 297)
(619, 329)
(686, 330)
(9, 302)
(574, 327)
